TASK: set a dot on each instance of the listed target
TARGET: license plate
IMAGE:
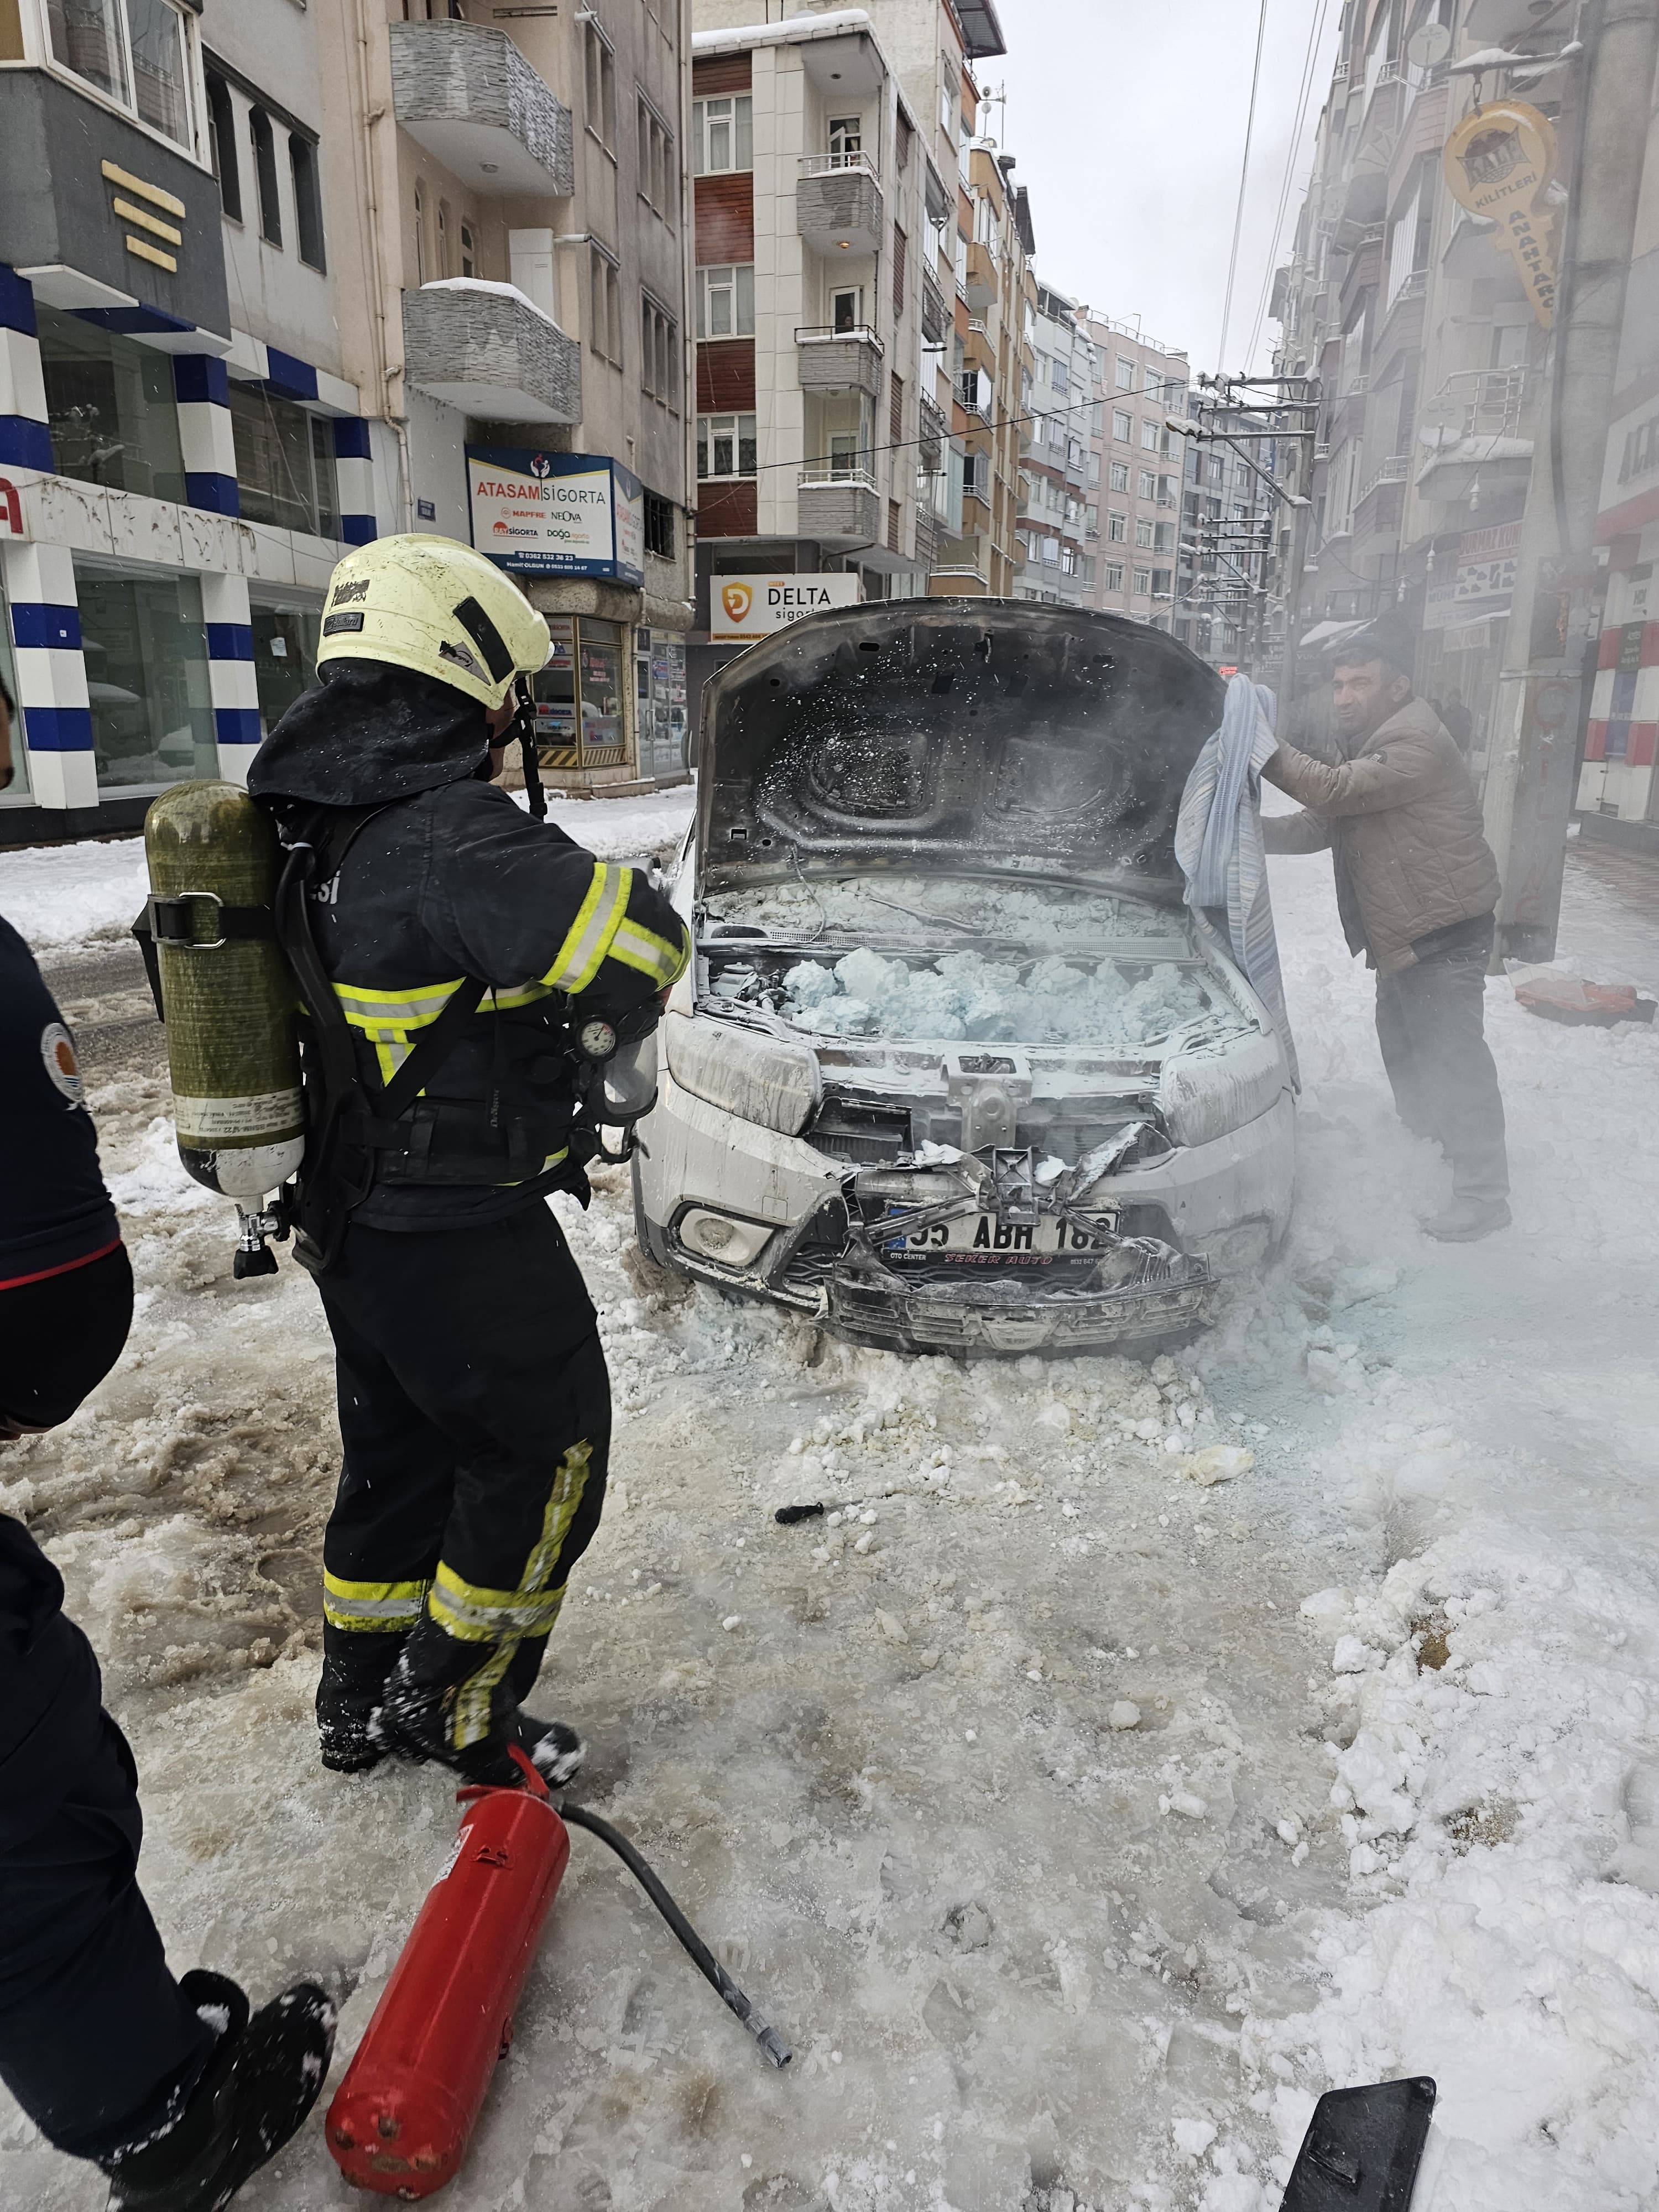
(981, 1240)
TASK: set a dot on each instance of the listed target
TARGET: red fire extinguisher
(401, 2120)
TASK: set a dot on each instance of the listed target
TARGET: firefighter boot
(349, 1693)
(261, 2078)
(452, 1701)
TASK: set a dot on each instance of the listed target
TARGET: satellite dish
(1425, 48)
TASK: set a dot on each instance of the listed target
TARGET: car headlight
(1204, 1095)
(762, 1079)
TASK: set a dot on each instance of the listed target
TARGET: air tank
(226, 992)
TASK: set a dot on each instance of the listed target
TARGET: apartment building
(1132, 472)
(513, 257)
(1231, 525)
(267, 273)
(1434, 349)
(809, 190)
(991, 365)
(1059, 401)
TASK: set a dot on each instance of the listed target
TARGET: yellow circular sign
(1499, 157)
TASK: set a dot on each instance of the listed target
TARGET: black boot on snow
(263, 2076)
(426, 1708)
(348, 1696)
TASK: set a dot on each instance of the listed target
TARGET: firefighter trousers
(475, 1415)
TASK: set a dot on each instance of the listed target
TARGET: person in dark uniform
(444, 931)
(168, 2085)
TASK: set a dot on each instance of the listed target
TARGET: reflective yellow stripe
(522, 994)
(474, 1614)
(382, 1606)
(577, 961)
(635, 946)
(405, 1010)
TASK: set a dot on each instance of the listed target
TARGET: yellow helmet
(433, 605)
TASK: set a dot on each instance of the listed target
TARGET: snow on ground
(1079, 1824)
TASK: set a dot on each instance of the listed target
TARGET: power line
(1315, 31)
(1243, 179)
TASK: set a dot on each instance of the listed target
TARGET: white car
(952, 1069)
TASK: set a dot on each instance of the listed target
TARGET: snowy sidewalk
(1078, 1824)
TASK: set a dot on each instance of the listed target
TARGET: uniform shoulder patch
(64, 1069)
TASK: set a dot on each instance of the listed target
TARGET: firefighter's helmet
(433, 605)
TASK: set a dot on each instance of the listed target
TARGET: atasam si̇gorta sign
(557, 514)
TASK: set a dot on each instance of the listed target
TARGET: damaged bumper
(1001, 1317)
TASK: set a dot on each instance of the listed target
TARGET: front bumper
(1012, 1317)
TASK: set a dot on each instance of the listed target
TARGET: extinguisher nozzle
(771, 2043)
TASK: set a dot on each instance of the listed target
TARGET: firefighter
(438, 930)
(172, 2087)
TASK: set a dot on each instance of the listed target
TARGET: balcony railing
(813, 477)
(830, 165)
(838, 204)
(935, 320)
(830, 359)
(1394, 471)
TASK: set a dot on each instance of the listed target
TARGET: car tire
(653, 1241)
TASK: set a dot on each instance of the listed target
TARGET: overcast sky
(1127, 119)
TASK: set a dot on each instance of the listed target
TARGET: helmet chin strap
(525, 723)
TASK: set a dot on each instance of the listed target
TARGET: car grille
(866, 1135)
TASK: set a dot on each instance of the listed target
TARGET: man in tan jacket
(1416, 886)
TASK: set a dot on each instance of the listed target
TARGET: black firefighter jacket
(445, 877)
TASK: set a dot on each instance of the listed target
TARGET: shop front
(569, 527)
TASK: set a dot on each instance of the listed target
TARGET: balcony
(839, 508)
(981, 286)
(974, 393)
(977, 350)
(935, 315)
(930, 445)
(490, 353)
(838, 203)
(926, 537)
(466, 94)
(839, 361)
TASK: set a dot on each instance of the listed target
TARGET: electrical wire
(1243, 179)
(1315, 31)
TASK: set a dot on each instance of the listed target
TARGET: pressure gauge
(596, 1040)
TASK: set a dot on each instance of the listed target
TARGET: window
(725, 446)
(604, 294)
(659, 352)
(846, 138)
(1060, 376)
(1163, 538)
(900, 257)
(579, 694)
(846, 311)
(600, 79)
(1125, 373)
(1122, 424)
(265, 169)
(133, 50)
(1068, 561)
(1161, 582)
(722, 134)
(443, 239)
(896, 410)
(725, 302)
(1088, 570)
(1148, 484)
(420, 235)
(975, 476)
(308, 201)
(1143, 582)
(221, 144)
(1115, 575)
(660, 526)
(284, 463)
(1117, 527)
(656, 160)
(152, 708)
(1143, 534)
(1119, 475)
(111, 408)
(469, 252)
(1148, 434)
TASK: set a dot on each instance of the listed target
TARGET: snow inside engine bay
(1020, 988)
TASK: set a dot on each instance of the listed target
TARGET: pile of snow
(964, 995)
(623, 828)
(59, 894)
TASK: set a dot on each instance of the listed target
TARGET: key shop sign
(743, 608)
(1499, 163)
(557, 514)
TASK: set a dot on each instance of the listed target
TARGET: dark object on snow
(786, 1516)
(1362, 2149)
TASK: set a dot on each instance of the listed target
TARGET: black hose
(776, 2050)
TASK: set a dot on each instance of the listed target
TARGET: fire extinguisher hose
(774, 2047)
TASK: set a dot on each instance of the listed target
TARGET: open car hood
(972, 734)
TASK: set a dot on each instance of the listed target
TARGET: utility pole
(1555, 615)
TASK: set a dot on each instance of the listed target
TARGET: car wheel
(652, 1240)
